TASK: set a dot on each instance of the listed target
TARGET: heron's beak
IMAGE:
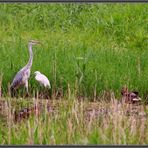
(35, 42)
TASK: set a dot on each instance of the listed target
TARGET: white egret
(42, 79)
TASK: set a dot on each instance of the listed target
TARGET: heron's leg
(26, 85)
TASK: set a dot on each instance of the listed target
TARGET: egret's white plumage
(42, 79)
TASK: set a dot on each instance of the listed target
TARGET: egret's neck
(31, 56)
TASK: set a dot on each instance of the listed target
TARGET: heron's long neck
(29, 64)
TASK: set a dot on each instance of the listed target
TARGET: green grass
(87, 50)
(111, 39)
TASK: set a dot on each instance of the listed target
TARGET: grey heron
(21, 78)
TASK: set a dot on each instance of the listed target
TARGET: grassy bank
(69, 121)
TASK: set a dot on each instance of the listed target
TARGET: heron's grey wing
(17, 81)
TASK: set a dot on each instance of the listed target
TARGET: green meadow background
(89, 47)
(87, 50)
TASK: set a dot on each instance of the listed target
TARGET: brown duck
(130, 97)
(26, 112)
